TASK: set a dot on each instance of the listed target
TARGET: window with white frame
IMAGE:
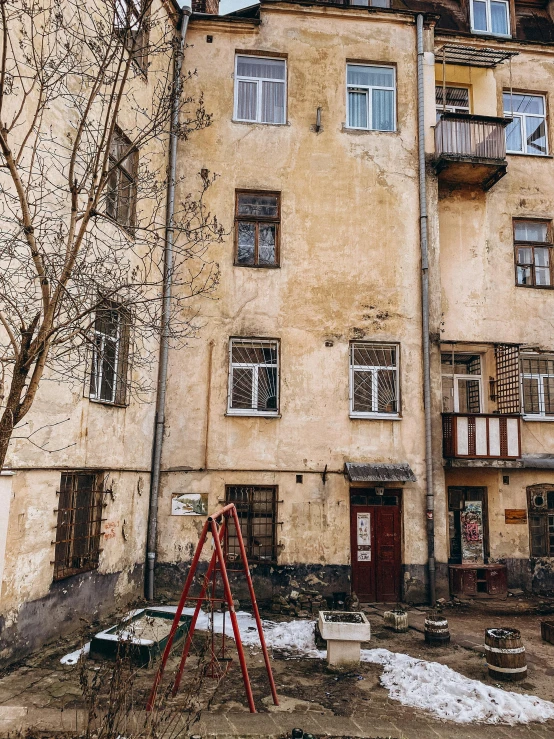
(537, 382)
(526, 134)
(533, 253)
(490, 16)
(260, 89)
(451, 99)
(371, 101)
(373, 380)
(253, 377)
(461, 383)
(110, 355)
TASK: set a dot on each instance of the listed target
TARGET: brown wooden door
(376, 554)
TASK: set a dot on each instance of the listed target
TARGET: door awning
(357, 472)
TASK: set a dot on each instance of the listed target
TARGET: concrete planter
(396, 620)
(344, 631)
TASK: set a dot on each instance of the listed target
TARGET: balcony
(481, 436)
(470, 149)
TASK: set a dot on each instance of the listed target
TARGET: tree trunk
(11, 415)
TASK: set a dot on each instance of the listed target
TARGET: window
(541, 520)
(526, 134)
(372, 3)
(79, 521)
(121, 185)
(257, 511)
(456, 100)
(533, 253)
(110, 354)
(373, 380)
(254, 377)
(537, 380)
(371, 97)
(257, 221)
(490, 16)
(260, 89)
(461, 383)
(131, 25)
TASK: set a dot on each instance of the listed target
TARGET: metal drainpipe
(423, 225)
(159, 425)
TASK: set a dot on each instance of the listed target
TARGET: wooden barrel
(436, 630)
(505, 654)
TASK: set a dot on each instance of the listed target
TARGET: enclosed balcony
(470, 149)
(483, 436)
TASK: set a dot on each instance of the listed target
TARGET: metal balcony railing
(470, 137)
(481, 436)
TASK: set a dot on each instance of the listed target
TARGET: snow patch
(73, 657)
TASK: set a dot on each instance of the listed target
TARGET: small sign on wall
(364, 529)
(189, 504)
(515, 515)
(364, 555)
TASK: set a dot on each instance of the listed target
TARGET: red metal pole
(255, 606)
(178, 613)
(234, 622)
(192, 627)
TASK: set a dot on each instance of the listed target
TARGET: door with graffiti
(468, 525)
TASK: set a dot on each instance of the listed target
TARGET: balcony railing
(481, 436)
(470, 148)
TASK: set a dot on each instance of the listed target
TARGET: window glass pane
(246, 104)
(531, 231)
(386, 391)
(479, 15)
(542, 256)
(536, 135)
(254, 353)
(530, 395)
(109, 358)
(363, 392)
(499, 18)
(380, 3)
(456, 97)
(266, 245)
(242, 387)
(529, 104)
(383, 110)
(548, 391)
(524, 276)
(365, 3)
(267, 388)
(370, 76)
(273, 102)
(252, 66)
(514, 138)
(374, 355)
(246, 239)
(542, 276)
(447, 394)
(468, 396)
(258, 205)
(357, 109)
(461, 364)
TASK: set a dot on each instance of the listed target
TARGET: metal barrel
(505, 654)
(436, 630)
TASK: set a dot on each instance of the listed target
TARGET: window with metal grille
(374, 386)
(80, 506)
(526, 134)
(541, 520)
(121, 190)
(131, 25)
(257, 224)
(537, 379)
(371, 92)
(461, 383)
(110, 355)
(533, 253)
(253, 377)
(260, 89)
(257, 511)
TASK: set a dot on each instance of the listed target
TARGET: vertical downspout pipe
(424, 243)
(159, 425)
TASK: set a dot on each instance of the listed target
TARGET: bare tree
(86, 94)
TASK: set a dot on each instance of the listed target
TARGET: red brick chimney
(211, 7)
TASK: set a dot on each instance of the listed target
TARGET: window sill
(109, 403)
(376, 416)
(351, 129)
(490, 34)
(540, 419)
(258, 123)
(257, 266)
(247, 414)
(526, 154)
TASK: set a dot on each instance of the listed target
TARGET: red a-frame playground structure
(217, 525)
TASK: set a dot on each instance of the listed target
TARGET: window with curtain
(253, 377)
(533, 253)
(491, 17)
(537, 380)
(526, 134)
(260, 89)
(257, 222)
(371, 97)
(373, 380)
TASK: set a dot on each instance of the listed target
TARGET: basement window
(257, 511)
(80, 506)
(253, 377)
(374, 380)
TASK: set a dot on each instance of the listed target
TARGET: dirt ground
(304, 685)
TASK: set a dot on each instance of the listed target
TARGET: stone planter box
(344, 631)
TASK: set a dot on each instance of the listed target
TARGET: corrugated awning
(379, 472)
(469, 56)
